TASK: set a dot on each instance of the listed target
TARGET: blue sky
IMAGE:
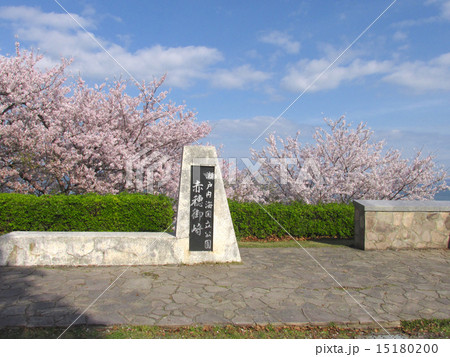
(240, 64)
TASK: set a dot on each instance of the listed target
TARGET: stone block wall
(383, 225)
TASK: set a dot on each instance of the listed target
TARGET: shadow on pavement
(24, 302)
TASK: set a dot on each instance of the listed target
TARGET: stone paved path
(273, 285)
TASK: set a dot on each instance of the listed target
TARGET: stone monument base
(103, 249)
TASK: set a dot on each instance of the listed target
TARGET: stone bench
(383, 225)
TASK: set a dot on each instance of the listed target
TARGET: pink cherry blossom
(343, 165)
(72, 139)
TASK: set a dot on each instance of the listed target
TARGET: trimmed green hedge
(148, 213)
(92, 212)
(300, 220)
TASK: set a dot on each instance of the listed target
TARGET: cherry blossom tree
(70, 138)
(60, 138)
(243, 185)
(343, 165)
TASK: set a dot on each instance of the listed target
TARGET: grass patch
(437, 327)
(319, 243)
(189, 332)
(414, 329)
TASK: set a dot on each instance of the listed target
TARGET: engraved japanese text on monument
(202, 208)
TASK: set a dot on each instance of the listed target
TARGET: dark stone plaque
(202, 208)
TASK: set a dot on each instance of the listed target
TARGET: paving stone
(215, 289)
(137, 283)
(101, 318)
(445, 301)
(271, 286)
(174, 321)
(191, 311)
(400, 299)
(183, 299)
(288, 315)
(36, 321)
(155, 303)
(171, 307)
(40, 306)
(440, 315)
(15, 292)
(10, 321)
(67, 321)
(211, 317)
(265, 318)
(362, 318)
(14, 310)
(243, 320)
(142, 320)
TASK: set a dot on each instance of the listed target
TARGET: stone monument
(203, 217)
(204, 230)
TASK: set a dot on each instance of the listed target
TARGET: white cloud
(58, 35)
(88, 10)
(400, 36)
(445, 10)
(183, 65)
(238, 78)
(282, 40)
(418, 75)
(30, 17)
(444, 7)
(443, 15)
(240, 132)
(237, 134)
(306, 72)
(410, 141)
(423, 76)
(416, 22)
(246, 126)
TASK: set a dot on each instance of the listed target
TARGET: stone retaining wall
(103, 249)
(87, 248)
(383, 225)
